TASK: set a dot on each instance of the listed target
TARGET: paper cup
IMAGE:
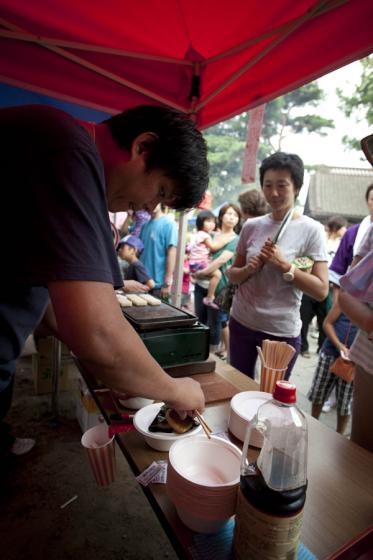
(269, 376)
(100, 449)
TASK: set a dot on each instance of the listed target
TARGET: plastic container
(273, 489)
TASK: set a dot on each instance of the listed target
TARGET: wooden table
(339, 502)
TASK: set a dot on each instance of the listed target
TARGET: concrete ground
(302, 376)
(114, 523)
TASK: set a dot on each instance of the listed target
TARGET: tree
(360, 103)
(226, 140)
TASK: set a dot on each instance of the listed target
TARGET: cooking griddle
(150, 317)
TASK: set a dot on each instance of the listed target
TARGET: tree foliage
(226, 140)
(360, 103)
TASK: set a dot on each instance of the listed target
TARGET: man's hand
(189, 397)
(132, 286)
(165, 292)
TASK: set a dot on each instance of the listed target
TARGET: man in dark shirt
(60, 177)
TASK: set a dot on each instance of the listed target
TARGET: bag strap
(347, 334)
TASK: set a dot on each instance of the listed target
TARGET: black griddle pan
(153, 317)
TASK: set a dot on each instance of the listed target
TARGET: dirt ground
(113, 523)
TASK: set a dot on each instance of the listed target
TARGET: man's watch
(289, 275)
(167, 284)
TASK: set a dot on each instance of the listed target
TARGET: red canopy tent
(210, 58)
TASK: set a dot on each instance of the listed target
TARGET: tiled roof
(338, 191)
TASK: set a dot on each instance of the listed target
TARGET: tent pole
(178, 275)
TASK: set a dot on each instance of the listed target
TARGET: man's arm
(91, 323)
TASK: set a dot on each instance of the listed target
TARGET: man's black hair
(281, 160)
(178, 149)
(202, 216)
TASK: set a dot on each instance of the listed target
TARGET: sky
(329, 150)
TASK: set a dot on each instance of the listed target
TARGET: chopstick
(206, 428)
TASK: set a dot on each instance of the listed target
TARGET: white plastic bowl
(157, 440)
(242, 411)
(128, 401)
(135, 403)
(202, 481)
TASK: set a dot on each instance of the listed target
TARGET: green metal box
(177, 346)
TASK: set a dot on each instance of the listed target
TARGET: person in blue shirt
(159, 236)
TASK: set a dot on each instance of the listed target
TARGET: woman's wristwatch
(289, 275)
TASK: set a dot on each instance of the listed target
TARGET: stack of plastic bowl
(134, 403)
(202, 481)
(158, 440)
(243, 408)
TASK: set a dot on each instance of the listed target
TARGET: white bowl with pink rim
(243, 408)
(202, 481)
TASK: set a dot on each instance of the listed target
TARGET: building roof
(338, 191)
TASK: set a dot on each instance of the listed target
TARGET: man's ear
(143, 143)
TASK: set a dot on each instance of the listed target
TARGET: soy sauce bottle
(272, 490)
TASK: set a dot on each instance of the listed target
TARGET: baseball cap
(132, 241)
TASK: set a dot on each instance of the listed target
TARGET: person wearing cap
(129, 249)
(63, 177)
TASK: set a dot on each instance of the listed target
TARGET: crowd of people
(281, 266)
(275, 297)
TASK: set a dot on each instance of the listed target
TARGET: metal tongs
(281, 230)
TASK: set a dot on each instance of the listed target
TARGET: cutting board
(214, 387)
(188, 370)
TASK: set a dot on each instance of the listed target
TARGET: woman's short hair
(253, 203)
(202, 217)
(178, 149)
(281, 160)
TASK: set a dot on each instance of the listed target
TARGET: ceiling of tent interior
(210, 58)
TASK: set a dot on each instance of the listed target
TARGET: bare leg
(225, 339)
(316, 410)
(214, 281)
(342, 422)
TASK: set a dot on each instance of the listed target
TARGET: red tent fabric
(209, 58)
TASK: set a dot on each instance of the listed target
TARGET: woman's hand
(273, 254)
(254, 265)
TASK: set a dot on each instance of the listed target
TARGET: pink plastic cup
(100, 449)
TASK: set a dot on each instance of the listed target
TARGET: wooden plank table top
(339, 503)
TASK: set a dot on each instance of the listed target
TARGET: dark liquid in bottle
(273, 502)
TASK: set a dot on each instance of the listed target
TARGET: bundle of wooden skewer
(275, 354)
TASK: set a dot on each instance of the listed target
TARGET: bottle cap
(285, 392)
